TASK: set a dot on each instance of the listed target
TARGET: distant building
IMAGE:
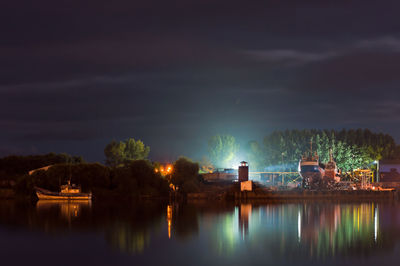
(389, 171)
(221, 175)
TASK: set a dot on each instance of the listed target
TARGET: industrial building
(389, 171)
(221, 175)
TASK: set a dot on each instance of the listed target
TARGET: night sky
(76, 74)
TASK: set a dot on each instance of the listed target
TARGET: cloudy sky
(76, 74)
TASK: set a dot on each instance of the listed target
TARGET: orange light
(164, 169)
(169, 169)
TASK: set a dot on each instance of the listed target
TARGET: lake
(202, 233)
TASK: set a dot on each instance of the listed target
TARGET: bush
(139, 178)
(185, 175)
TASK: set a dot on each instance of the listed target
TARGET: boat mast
(70, 171)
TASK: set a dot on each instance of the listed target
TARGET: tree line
(282, 150)
(127, 172)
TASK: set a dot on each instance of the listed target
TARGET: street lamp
(377, 170)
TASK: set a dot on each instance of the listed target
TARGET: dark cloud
(289, 57)
(75, 75)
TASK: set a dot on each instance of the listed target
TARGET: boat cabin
(68, 188)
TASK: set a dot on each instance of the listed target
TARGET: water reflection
(310, 230)
(125, 232)
(244, 216)
(67, 209)
(127, 228)
(182, 221)
(327, 230)
(169, 219)
(274, 232)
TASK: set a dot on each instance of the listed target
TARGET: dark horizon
(75, 76)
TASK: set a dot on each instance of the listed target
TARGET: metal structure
(365, 177)
(285, 178)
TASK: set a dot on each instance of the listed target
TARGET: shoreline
(296, 195)
(231, 196)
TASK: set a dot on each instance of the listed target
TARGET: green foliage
(136, 150)
(255, 155)
(118, 153)
(282, 150)
(351, 148)
(114, 153)
(185, 175)
(222, 150)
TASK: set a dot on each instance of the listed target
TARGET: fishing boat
(67, 192)
(310, 170)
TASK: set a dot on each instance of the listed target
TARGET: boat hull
(311, 180)
(311, 173)
(44, 195)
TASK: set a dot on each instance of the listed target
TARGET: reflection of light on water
(321, 230)
(231, 227)
(299, 225)
(68, 209)
(125, 238)
(376, 224)
(169, 219)
(248, 226)
(244, 219)
(327, 230)
(227, 234)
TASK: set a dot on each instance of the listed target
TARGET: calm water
(49, 233)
